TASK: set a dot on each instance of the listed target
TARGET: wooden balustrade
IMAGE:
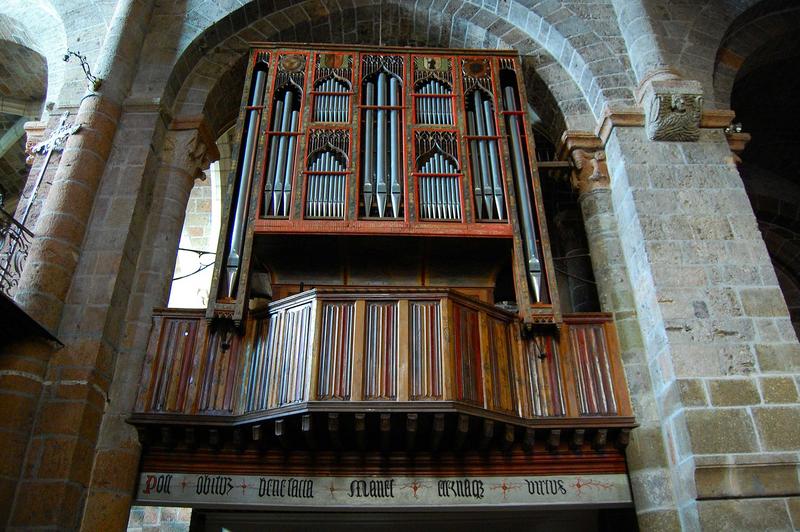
(393, 350)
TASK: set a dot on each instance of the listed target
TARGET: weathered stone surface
(778, 357)
(659, 520)
(692, 392)
(778, 389)
(778, 427)
(733, 392)
(744, 514)
(747, 481)
(721, 431)
(763, 302)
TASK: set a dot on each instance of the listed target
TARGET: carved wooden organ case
(424, 144)
(384, 253)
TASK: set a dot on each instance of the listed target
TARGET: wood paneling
(384, 347)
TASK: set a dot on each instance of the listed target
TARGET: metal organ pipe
(325, 197)
(382, 175)
(287, 174)
(394, 151)
(534, 266)
(439, 198)
(381, 145)
(369, 133)
(273, 157)
(483, 154)
(277, 192)
(244, 182)
(494, 159)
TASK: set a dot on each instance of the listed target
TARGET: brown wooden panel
(545, 371)
(466, 345)
(502, 373)
(336, 350)
(425, 350)
(593, 372)
(380, 354)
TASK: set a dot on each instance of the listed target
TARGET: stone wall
(709, 350)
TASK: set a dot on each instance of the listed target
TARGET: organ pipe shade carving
(333, 81)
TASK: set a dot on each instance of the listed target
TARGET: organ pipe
(533, 265)
(394, 126)
(325, 196)
(381, 144)
(283, 142)
(438, 191)
(383, 158)
(369, 156)
(243, 183)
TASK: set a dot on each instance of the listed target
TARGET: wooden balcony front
(383, 352)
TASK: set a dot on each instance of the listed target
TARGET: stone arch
(584, 71)
(759, 35)
(45, 34)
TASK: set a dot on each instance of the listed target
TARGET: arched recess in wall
(756, 72)
(26, 77)
(213, 85)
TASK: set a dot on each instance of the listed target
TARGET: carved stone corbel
(585, 151)
(672, 106)
(591, 170)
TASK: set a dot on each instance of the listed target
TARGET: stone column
(185, 155)
(64, 390)
(62, 224)
(657, 501)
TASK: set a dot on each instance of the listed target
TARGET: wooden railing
(392, 350)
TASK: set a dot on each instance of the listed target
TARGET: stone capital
(585, 151)
(189, 147)
(672, 106)
(34, 134)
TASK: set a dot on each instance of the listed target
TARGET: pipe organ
(387, 141)
(384, 280)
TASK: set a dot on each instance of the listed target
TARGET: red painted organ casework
(379, 197)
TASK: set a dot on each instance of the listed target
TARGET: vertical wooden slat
(336, 349)
(524, 387)
(425, 347)
(313, 363)
(448, 363)
(403, 352)
(568, 372)
(485, 357)
(357, 374)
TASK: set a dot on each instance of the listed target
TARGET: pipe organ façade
(384, 282)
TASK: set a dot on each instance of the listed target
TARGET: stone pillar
(186, 153)
(67, 386)
(657, 501)
(61, 227)
(717, 340)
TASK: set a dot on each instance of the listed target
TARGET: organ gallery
(385, 303)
